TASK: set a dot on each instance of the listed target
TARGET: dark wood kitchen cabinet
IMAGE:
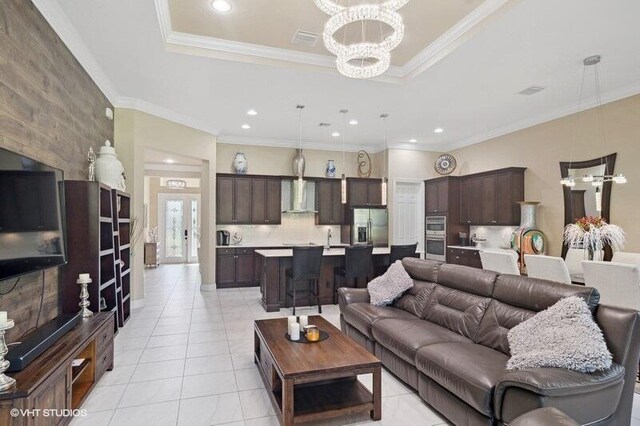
(364, 192)
(266, 204)
(329, 202)
(466, 257)
(235, 267)
(438, 193)
(491, 198)
(233, 200)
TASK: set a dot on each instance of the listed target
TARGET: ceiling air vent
(531, 90)
(305, 38)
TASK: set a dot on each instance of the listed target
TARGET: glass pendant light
(383, 185)
(299, 185)
(343, 182)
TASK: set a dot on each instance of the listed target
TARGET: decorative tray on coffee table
(303, 339)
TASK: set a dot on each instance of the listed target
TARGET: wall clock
(445, 164)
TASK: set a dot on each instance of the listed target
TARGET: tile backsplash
(295, 228)
(495, 236)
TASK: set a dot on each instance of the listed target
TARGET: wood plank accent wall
(51, 111)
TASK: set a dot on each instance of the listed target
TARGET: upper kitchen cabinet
(266, 200)
(364, 192)
(244, 200)
(329, 202)
(491, 198)
(439, 193)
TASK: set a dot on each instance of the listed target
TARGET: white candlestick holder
(5, 381)
(84, 298)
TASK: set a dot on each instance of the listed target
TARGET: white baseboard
(207, 287)
(137, 303)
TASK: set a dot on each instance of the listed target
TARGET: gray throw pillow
(562, 336)
(388, 287)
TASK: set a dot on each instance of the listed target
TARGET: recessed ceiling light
(246, 126)
(169, 161)
(335, 134)
(222, 6)
(252, 112)
(353, 122)
(413, 140)
(438, 130)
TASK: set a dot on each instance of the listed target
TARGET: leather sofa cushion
(465, 278)
(537, 295)
(496, 323)
(468, 370)
(422, 269)
(362, 315)
(544, 416)
(404, 337)
(415, 299)
(456, 310)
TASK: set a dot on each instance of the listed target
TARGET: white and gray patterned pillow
(562, 336)
(388, 287)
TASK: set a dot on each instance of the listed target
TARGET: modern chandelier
(366, 58)
(595, 180)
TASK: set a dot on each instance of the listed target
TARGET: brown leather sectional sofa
(447, 338)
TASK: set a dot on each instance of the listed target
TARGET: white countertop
(262, 245)
(478, 248)
(330, 252)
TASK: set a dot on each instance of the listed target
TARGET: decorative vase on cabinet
(331, 169)
(527, 238)
(108, 168)
(240, 164)
(299, 163)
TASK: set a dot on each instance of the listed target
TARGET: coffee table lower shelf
(314, 401)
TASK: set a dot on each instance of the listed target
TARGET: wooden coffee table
(312, 381)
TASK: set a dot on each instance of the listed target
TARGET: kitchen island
(272, 264)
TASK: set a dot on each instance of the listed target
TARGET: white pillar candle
(291, 319)
(304, 320)
(83, 277)
(294, 331)
(3, 318)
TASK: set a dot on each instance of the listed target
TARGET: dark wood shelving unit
(121, 203)
(99, 241)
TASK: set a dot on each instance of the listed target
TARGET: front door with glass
(179, 227)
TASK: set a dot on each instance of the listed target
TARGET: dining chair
(358, 263)
(304, 275)
(547, 268)
(503, 261)
(574, 259)
(617, 283)
(626, 257)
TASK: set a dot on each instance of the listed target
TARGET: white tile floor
(186, 359)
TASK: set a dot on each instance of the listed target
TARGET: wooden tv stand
(51, 382)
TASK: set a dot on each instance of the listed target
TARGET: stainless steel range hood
(298, 197)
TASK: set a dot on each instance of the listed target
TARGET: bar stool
(358, 262)
(307, 262)
(399, 252)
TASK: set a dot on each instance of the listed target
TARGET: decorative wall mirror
(586, 199)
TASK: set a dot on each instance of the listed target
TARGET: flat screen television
(32, 223)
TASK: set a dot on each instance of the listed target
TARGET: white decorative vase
(240, 164)
(109, 169)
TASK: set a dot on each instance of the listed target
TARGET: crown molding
(198, 45)
(590, 103)
(172, 168)
(56, 17)
(167, 114)
(282, 143)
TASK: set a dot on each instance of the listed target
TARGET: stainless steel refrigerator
(370, 226)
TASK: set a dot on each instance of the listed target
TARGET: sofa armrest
(556, 386)
(347, 296)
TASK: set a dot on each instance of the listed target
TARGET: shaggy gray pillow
(389, 286)
(563, 336)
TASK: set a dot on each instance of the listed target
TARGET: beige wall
(135, 131)
(265, 160)
(541, 147)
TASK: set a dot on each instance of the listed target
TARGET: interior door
(179, 227)
(407, 213)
